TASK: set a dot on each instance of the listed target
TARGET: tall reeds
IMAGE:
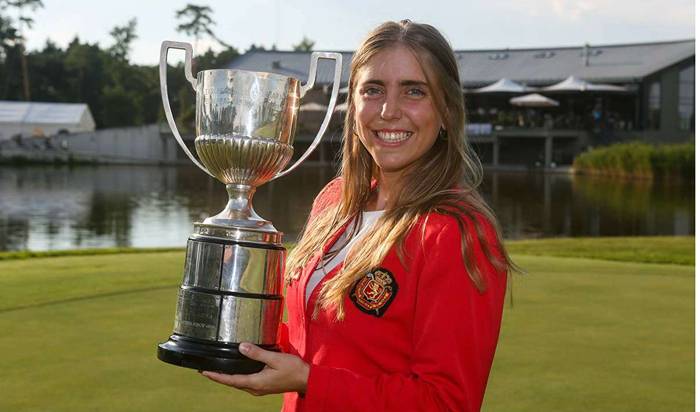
(638, 159)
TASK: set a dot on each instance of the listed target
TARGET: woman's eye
(416, 92)
(371, 91)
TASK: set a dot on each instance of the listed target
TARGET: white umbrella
(342, 107)
(313, 107)
(533, 100)
(502, 86)
(574, 84)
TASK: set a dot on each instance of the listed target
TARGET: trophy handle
(164, 47)
(331, 104)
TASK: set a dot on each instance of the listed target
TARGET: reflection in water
(58, 207)
(47, 207)
(546, 205)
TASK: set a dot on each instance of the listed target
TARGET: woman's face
(395, 116)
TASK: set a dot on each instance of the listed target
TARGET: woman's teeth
(393, 137)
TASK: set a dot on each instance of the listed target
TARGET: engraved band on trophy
(231, 290)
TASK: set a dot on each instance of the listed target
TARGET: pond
(62, 207)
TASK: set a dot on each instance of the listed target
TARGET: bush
(638, 159)
(674, 161)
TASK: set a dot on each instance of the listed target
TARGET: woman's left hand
(283, 373)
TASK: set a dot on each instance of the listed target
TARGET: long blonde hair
(443, 181)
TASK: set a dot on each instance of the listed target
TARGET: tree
(199, 22)
(48, 74)
(9, 37)
(212, 60)
(86, 72)
(123, 36)
(305, 45)
(21, 5)
(9, 54)
(9, 59)
(118, 93)
(254, 47)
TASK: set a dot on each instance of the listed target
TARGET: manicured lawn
(593, 335)
(649, 249)
(678, 250)
(79, 334)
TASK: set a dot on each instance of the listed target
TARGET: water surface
(61, 207)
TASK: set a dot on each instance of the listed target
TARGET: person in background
(395, 290)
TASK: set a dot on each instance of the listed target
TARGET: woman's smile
(390, 137)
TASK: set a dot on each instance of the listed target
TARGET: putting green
(592, 335)
(79, 334)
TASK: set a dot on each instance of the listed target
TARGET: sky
(341, 25)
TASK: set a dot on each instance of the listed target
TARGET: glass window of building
(686, 98)
(654, 106)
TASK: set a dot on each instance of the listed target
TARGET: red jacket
(421, 339)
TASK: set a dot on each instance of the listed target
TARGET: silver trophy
(232, 285)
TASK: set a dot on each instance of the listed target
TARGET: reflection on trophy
(232, 285)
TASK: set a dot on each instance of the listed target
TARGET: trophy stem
(240, 202)
(239, 210)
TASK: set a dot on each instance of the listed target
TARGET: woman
(395, 290)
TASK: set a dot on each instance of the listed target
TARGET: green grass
(592, 335)
(27, 254)
(79, 334)
(679, 250)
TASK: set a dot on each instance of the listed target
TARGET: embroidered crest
(373, 293)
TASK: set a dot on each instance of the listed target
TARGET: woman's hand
(283, 373)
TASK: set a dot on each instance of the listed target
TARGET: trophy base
(181, 351)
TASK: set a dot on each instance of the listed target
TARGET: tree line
(118, 92)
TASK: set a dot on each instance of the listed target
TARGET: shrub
(638, 159)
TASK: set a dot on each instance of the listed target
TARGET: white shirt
(367, 221)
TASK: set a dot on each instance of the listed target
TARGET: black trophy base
(188, 353)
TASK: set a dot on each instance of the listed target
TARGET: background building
(648, 95)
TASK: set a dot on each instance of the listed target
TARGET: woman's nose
(391, 109)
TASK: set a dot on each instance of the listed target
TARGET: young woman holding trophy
(395, 290)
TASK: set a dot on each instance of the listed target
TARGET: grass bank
(27, 254)
(649, 249)
(639, 160)
(79, 334)
(677, 250)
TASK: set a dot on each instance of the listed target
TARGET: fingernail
(244, 347)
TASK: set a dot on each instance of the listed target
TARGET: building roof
(42, 113)
(289, 63)
(612, 64)
(622, 63)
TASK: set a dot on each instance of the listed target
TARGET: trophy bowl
(245, 123)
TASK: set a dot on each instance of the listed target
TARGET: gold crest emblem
(373, 293)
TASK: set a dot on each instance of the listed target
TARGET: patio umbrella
(533, 100)
(502, 86)
(574, 84)
(313, 107)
